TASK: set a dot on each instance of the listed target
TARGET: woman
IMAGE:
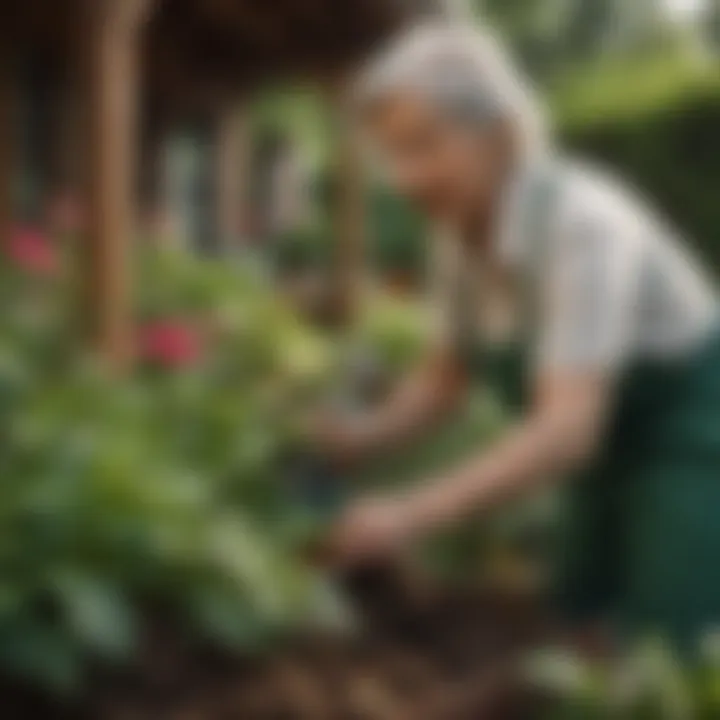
(566, 293)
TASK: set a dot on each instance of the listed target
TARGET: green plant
(305, 248)
(160, 489)
(648, 682)
(395, 329)
(396, 231)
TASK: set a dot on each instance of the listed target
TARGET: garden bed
(169, 483)
(423, 654)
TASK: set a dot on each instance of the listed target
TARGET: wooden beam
(68, 130)
(240, 43)
(349, 213)
(7, 155)
(67, 149)
(112, 92)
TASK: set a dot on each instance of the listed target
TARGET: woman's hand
(373, 529)
(338, 439)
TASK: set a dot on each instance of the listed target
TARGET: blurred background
(239, 134)
(195, 252)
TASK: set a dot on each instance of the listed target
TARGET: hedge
(659, 129)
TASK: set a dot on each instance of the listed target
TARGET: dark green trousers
(641, 531)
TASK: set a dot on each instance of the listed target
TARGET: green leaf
(37, 652)
(100, 616)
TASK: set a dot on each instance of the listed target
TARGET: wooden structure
(124, 70)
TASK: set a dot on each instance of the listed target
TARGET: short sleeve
(589, 288)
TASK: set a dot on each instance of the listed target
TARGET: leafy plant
(163, 488)
(648, 682)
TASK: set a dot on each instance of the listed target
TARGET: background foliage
(663, 138)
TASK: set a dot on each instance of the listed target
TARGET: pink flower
(171, 344)
(30, 250)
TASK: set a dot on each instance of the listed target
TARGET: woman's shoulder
(589, 190)
(589, 215)
(565, 203)
(561, 192)
(594, 206)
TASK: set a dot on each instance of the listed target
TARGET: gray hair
(462, 71)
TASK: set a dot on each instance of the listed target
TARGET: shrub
(658, 127)
(160, 489)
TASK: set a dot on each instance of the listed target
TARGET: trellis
(157, 60)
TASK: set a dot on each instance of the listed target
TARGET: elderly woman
(567, 294)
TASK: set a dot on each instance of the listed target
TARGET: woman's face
(447, 168)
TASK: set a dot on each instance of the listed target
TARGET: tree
(534, 29)
(590, 23)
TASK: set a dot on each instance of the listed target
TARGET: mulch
(424, 654)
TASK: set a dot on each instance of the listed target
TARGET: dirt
(424, 654)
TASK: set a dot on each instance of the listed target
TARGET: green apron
(639, 541)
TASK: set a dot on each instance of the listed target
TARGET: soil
(424, 654)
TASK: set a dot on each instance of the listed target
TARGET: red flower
(30, 250)
(171, 344)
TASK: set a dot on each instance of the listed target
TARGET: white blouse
(608, 282)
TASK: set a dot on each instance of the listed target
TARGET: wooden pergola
(127, 69)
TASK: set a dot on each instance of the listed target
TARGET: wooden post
(112, 90)
(349, 216)
(231, 168)
(67, 150)
(67, 140)
(7, 156)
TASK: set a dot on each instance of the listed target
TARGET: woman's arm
(561, 433)
(587, 322)
(587, 315)
(425, 397)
